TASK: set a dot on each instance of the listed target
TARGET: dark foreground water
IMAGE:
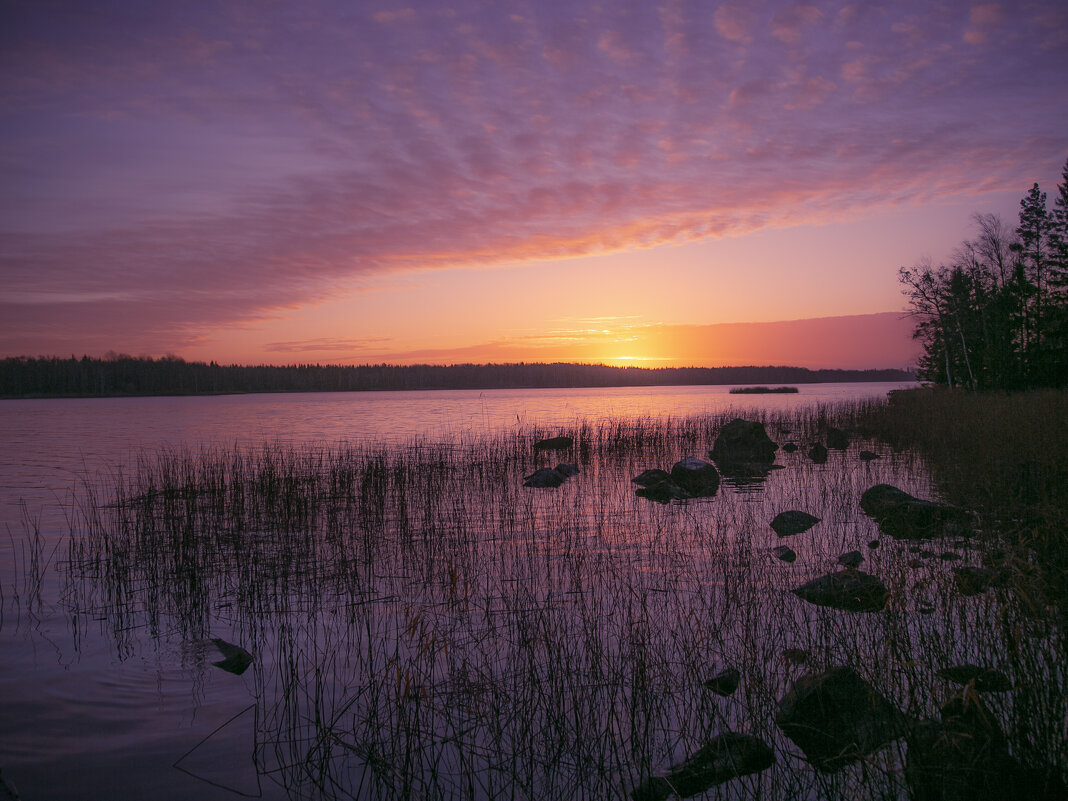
(421, 624)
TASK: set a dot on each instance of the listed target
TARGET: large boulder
(836, 717)
(792, 522)
(848, 589)
(696, 476)
(743, 448)
(721, 759)
(907, 517)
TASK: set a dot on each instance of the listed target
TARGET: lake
(420, 623)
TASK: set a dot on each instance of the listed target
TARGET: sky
(649, 183)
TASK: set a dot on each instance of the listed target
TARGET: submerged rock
(721, 759)
(837, 439)
(236, 659)
(545, 477)
(902, 515)
(553, 444)
(818, 454)
(743, 449)
(792, 522)
(663, 491)
(784, 552)
(789, 447)
(567, 469)
(696, 476)
(982, 679)
(725, 682)
(851, 559)
(836, 717)
(867, 456)
(649, 477)
(849, 590)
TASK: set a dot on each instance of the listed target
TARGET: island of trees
(995, 316)
(119, 374)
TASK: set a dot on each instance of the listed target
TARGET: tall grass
(425, 626)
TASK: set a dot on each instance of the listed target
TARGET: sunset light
(445, 183)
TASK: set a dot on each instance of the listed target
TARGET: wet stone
(725, 682)
(818, 454)
(721, 759)
(836, 718)
(851, 559)
(696, 476)
(784, 553)
(837, 439)
(236, 659)
(982, 679)
(849, 590)
(648, 478)
(793, 522)
(868, 456)
(553, 444)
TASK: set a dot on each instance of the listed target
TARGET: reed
(425, 626)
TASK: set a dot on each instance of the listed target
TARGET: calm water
(49, 445)
(91, 710)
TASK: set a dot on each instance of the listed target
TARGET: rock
(873, 544)
(982, 680)
(545, 477)
(663, 492)
(649, 477)
(964, 757)
(725, 682)
(902, 515)
(975, 580)
(553, 444)
(792, 522)
(868, 456)
(721, 759)
(236, 659)
(789, 447)
(696, 476)
(851, 559)
(795, 656)
(949, 556)
(836, 717)
(785, 553)
(837, 439)
(818, 454)
(743, 448)
(567, 469)
(849, 590)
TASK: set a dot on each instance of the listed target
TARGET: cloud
(178, 168)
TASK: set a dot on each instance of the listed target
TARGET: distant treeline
(126, 375)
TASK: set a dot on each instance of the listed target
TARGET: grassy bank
(1002, 455)
(423, 625)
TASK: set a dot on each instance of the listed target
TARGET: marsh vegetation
(423, 625)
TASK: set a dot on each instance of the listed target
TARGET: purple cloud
(170, 167)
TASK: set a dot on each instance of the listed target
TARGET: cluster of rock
(551, 477)
(689, 478)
